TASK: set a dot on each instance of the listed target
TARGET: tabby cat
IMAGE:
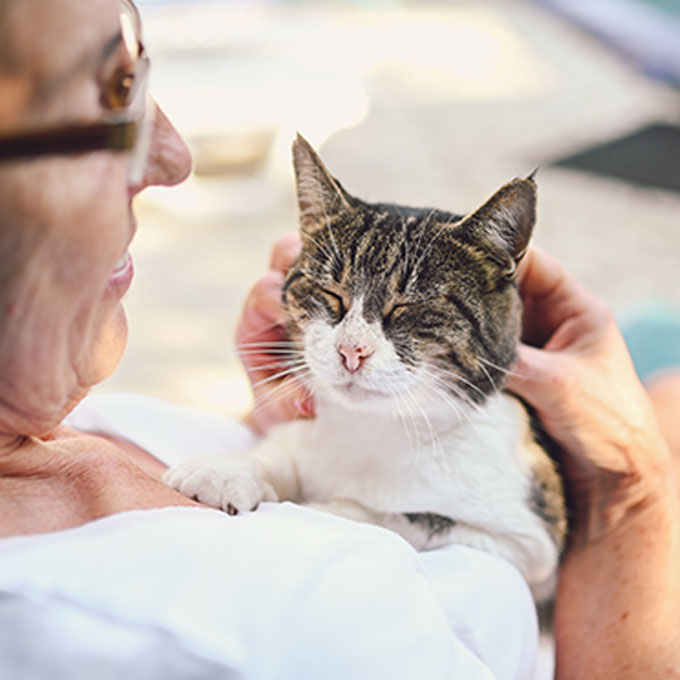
(403, 323)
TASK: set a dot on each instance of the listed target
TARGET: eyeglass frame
(126, 130)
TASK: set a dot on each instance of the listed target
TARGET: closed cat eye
(394, 312)
(336, 302)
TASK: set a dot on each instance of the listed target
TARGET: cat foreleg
(238, 481)
(228, 481)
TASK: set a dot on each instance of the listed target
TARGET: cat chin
(364, 401)
(356, 398)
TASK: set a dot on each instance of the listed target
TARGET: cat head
(404, 307)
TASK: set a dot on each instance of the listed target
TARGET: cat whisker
(445, 387)
(397, 399)
(282, 353)
(462, 395)
(421, 429)
(292, 376)
(268, 344)
(321, 246)
(488, 377)
(460, 379)
(277, 364)
(465, 381)
(439, 388)
(506, 371)
(280, 375)
(460, 401)
(280, 392)
(409, 420)
(431, 433)
(443, 396)
(313, 259)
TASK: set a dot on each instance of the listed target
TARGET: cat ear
(505, 223)
(319, 194)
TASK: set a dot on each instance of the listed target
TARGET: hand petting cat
(259, 333)
(616, 612)
(586, 392)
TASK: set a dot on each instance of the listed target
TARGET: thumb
(537, 376)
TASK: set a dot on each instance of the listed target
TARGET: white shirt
(284, 592)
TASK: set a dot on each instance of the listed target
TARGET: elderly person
(106, 572)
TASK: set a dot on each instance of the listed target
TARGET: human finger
(539, 273)
(262, 309)
(537, 375)
(263, 347)
(285, 251)
(551, 297)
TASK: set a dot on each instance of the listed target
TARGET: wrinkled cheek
(106, 350)
(51, 364)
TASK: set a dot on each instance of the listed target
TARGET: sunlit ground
(240, 79)
(431, 104)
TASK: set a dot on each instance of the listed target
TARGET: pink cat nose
(353, 355)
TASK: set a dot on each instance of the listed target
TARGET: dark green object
(649, 156)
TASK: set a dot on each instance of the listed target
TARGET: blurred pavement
(428, 103)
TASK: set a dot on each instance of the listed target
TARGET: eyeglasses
(127, 128)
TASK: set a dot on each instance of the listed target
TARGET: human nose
(169, 159)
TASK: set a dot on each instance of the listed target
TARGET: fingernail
(305, 407)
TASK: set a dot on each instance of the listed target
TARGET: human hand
(265, 349)
(586, 392)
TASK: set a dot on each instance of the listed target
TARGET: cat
(403, 323)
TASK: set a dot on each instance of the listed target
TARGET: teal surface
(653, 338)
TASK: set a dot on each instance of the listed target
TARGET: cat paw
(229, 481)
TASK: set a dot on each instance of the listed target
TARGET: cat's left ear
(320, 195)
(505, 223)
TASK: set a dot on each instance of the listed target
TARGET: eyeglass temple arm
(74, 139)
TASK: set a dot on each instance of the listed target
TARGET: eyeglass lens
(141, 107)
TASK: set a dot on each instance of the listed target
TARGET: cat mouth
(354, 390)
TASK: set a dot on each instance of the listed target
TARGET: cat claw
(226, 481)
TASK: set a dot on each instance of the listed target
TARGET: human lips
(122, 274)
(121, 277)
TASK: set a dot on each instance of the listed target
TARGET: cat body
(403, 324)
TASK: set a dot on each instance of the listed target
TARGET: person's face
(66, 328)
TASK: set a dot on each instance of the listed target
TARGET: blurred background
(425, 103)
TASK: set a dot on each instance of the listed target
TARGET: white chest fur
(462, 470)
(475, 470)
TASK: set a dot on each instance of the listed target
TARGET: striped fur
(404, 323)
(441, 287)
(436, 281)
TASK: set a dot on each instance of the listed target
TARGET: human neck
(10, 442)
(18, 426)
(67, 479)
(21, 455)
